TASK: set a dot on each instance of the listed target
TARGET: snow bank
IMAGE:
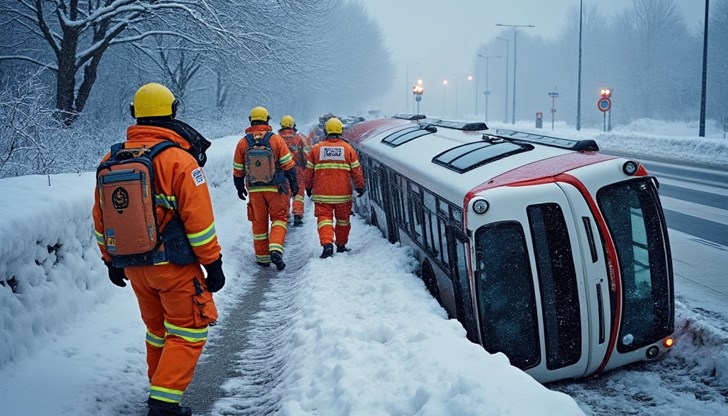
(48, 249)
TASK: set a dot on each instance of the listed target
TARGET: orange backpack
(125, 183)
(260, 162)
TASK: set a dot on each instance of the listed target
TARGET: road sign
(604, 104)
(553, 94)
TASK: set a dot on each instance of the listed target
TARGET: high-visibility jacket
(180, 186)
(332, 166)
(296, 141)
(280, 151)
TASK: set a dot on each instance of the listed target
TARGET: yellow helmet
(287, 122)
(153, 100)
(259, 114)
(334, 126)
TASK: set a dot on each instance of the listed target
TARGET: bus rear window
(504, 285)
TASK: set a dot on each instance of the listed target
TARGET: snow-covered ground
(356, 334)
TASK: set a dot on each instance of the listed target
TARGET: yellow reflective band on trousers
(154, 340)
(275, 247)
(203, 237)
(187, 334)
(260, 236)
(165, 394)
(342, 223)
(325, 223)
(238, 166)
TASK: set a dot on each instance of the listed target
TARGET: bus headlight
(480, 206)
(630, 167)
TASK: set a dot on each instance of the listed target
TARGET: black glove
(292, 181)
(239, 182)
(360, 192)
(215, 278)
(116, 274)
(242, 193)
(309, 191)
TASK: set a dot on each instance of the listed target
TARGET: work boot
(160, 408)
(328, 251)
(297, 220)
(342, 249)
(261, 264)
(277, 258)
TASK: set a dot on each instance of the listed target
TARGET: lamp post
(505, 90)
(406, 82)
(578, 88)
(470, 78)
(515, 45)
(417, 91)
(444, 90)
(701, 131)
(487, 89)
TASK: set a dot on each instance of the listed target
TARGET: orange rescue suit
(300, 152)
(172, 297)
(267, 203)
(332, 166)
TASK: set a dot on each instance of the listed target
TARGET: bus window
(415, 209)
(557, 279)
(430, 216)
(504, 290)
(464, 304)
(442, 236)
(632, 212)
(399, 186)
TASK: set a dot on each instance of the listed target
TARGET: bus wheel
(428, 276)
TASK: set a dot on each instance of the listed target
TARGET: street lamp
(701, 128)
(417, 91)
(470, 78)
(487, 89)
(444, 90)
(508, 41)
(406, 82)
(515, 45)
(578, 88)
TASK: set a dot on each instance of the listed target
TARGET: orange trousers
(266, 208)
(298, 199)
(327, 229)
(170, 297)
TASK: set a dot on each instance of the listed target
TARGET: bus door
(530, 291)
(594, 266)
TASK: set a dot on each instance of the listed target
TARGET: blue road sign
(604, 104)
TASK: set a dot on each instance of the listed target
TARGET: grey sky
(443, 36)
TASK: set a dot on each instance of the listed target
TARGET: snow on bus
(543, 248)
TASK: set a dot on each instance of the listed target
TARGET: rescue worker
(317, 133)
(175, 301)
(332, 166)
(269, 197)
(299, 150)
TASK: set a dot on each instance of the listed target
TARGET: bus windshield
(634, 218)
